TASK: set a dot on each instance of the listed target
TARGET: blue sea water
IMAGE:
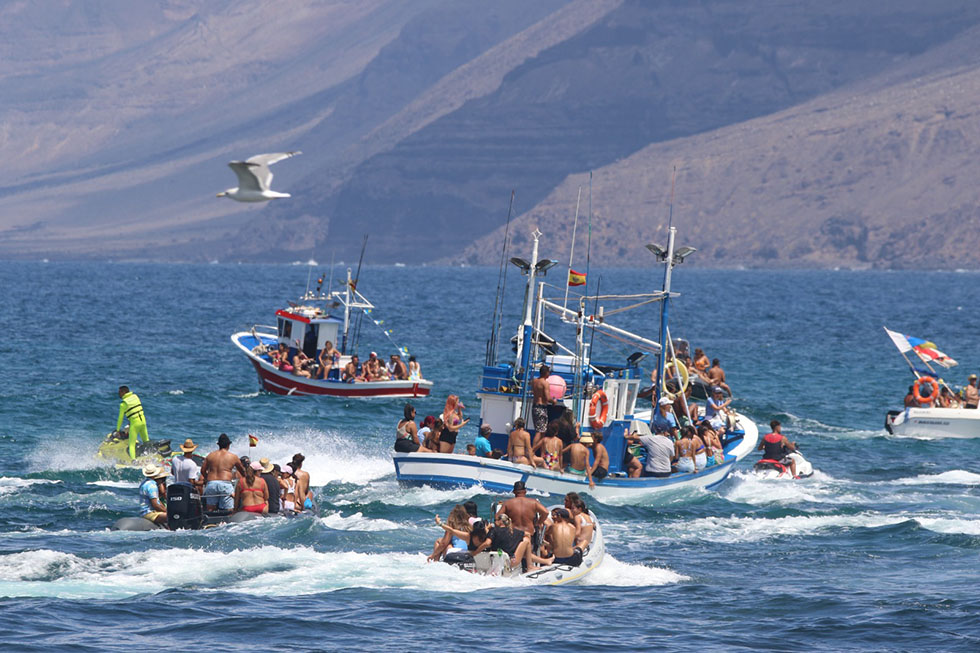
(878, 551)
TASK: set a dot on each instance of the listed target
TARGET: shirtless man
(716, 375)
(550, 447)
(397, 369)
(352, 371)
(304, 498)
(519, 446)
(525, 513)
(600, 466)
(217, 472)
(561, 536)
(578, 461)
(542, 399)
(971, 396)
(372, 368)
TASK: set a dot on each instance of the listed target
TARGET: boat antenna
(571, 249)
(309, 273)
(498, 302)
(357, 277)
(330, 283)
(595, 316)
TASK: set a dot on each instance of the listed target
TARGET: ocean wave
(11, 484)
(753, 529)
(357, 522)
(746, 487)
(951, 477)
(126, 485)
(950, 525)
(614, 573)
(393, 494)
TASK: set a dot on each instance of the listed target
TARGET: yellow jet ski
(115, 448)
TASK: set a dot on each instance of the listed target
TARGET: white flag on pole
(900, 341)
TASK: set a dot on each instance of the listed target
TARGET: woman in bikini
(452, 422)
(685, 450)
(712, 443)
(550, 446)
(288, 492)
(414, 370)
(701, 363)
(251, 492)
(406, 433)
(328, 358)
(459, 521)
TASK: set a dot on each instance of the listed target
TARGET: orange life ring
(918, 395)
(598, 409)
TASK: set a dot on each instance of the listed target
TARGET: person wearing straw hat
(971, 396)
(268, 473)
(184, 468)
(151, 489)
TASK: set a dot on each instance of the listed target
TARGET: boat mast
(664, 309)
(343, 347)
(525, 336)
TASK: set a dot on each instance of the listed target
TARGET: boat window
(285, 329)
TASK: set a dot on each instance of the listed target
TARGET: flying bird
(254, 178)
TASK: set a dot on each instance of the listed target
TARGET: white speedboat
(934, 422)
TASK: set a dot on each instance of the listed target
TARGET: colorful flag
(575, 278)
(924, 349)
(252, 440)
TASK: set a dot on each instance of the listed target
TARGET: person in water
(777, 448)
(131, 408)
(217, 472)
(151, 489)
(251, 493)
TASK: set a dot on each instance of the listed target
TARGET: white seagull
(254, 178)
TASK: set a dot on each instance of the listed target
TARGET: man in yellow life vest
(132, 409)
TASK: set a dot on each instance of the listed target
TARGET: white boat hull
(934, 422)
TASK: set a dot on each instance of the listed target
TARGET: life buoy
(918, 394)
(598, 409)
(685, 375)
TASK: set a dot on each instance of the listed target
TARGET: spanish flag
(252, 440)
(575, 278)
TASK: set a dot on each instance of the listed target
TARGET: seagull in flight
(254, 178)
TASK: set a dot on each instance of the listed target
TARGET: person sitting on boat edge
(414, 369)
(451, 543)
(550, 447)
(502, 536)
(353, 371)
(251, 493)
(519, 446)
(268, 473)
(659, 451)
(151, 489)
(397, 369)
(777, 447)
(578, 461)
(600, 457)
(304, 498)
(482, 442)
(971, 395)
(217, 474)
(406, 433)
(561, 536)
(287, 492)
(663, 420)
(184, 468)
(716, 376)
(689, 452)
(717, 410)
(584, 526)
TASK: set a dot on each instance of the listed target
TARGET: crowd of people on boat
(227, 483)
(529, 534)
(327, 365)
(927, 392)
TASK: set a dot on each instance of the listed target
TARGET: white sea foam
(746, 487)
(247, 395)
(753, 529)
(950, 525)
(357, 522)
(126, 485)
(391, 493)
(175, 392)
(612, 572)
(11, 484)
(951, 477)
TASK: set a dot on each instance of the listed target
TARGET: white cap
(666, 400)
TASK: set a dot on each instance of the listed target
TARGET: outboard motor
(184, 507)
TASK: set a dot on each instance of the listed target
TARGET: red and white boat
(308, 328)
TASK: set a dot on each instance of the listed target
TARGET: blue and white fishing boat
(601, 393)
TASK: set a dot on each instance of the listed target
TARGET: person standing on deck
(132, 409)
(971, 396)
(541, 392)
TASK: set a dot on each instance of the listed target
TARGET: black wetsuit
(273, 484)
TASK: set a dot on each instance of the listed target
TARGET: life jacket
(774, 449)
(134, 409)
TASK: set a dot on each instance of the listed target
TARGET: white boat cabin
(307, 328)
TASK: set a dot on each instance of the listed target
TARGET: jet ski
(115, 448)
(773, 469)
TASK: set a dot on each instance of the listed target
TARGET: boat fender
(917, 389)
(598, 409)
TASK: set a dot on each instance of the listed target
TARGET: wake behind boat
(602, 393)
(933, 409)
(298, 356)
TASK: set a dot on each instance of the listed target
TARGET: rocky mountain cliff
(838, 133)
